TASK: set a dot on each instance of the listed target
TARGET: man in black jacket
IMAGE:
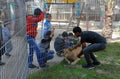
(97, 41)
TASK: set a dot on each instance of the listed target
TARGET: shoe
(96, 63)
(2, 63)
(32, 66)
(45, 61)
(43, 65)
(60, 54)
(7, 54)
(87, 66)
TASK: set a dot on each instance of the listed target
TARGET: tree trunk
(107, 29)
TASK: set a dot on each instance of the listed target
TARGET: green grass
(109, 69)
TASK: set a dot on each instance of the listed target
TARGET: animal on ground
(72, 55)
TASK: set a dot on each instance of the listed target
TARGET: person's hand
(70, 49)
(51, 35)
(53, 28)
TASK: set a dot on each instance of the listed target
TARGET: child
(47, 24)
(76, 40)
(71, 39)
(31, 32)
(60, 43)
(46, 53)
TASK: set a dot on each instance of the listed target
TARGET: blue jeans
(46, 56)
(33, 47)
(44, 34)
(88, 51)
(50, 55)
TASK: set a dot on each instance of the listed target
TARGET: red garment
(32, 23)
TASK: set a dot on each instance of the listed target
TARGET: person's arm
(52, 33)
(77, 45)
(83, 45)
(41, 17)
(45, 40)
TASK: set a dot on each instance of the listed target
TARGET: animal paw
(73, 63)
(68, 62)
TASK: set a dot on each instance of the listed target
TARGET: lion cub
(72, 55)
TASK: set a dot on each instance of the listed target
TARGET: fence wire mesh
(12, 16)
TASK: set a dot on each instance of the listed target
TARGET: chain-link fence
(13, 18)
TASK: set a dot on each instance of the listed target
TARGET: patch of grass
(109, 69)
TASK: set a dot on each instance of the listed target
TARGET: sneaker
(32, 66)
(7, 54)
(43, 65)
(60, 54)
(88, 66)
(45, 61)
(2, 63)
(96, 63)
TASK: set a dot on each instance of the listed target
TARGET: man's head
(77, 31)
(37, 12)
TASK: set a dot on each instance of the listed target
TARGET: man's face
(77, 34)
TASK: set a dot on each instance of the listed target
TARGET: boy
(47, 54)
(71, 39)
(97, 41)
(60, 43)
(47, 24)
(31, 32)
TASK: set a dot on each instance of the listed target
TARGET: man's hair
(37, 11)
(64, 34)
(77, 29)
(48, 15)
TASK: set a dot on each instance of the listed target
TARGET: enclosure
(88, 14)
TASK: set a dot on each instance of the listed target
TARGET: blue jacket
(6, 39)
(47, 27)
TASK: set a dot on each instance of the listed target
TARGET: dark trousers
(2, 50)
(88, 51)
